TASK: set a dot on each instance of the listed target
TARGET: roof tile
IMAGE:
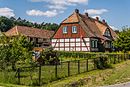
(30, 32)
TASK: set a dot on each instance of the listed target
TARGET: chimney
(87, 15)
(97, 18)
(103, 21)
(76, 10)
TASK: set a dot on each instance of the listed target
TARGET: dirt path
(119, 85)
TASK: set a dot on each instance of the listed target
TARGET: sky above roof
(115, 12)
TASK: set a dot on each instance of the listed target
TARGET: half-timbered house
(80, 32)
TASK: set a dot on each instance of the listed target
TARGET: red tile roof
(30, 32)
(92, 27)
(72, 18)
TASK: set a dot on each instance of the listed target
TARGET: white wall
(72, 44)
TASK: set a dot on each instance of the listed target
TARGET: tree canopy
(123, 41)
(8, 23)
(14, 49)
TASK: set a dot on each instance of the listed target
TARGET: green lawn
(120, 73)
(30, 76)
(48, 72)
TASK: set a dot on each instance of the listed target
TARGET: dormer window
(74, 29)
(107, 33)
(65, 30)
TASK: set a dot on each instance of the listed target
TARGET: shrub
(102, 62)
(50, 56)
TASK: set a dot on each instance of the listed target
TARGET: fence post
(39, 75)
(110, 58)
(127, 56)
(56, 70)
(118, 58)
(94, 63)
(18, 75)
(78, 66)
(68, 68)
(114, 60)
(124, 57)
(87, 65)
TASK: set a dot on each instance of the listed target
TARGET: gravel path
(119, 85)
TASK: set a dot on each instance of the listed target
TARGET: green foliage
(123, 42)
(50, 57)
(5, 24)
(101, 62)
(77, 54)
(14, 49)
(8, 23)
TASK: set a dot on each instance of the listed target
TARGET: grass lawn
(48, 73)
(120, 73)
(29, 76)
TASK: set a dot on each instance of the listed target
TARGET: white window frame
(74, 29)
(94, 43)
(65, 30)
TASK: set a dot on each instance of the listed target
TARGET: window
(74, 29)
(107, 32)
(36, 40)
(65, 29)
(94, 43)
(108, 45)
(31, 39)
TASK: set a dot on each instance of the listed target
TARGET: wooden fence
(42, 74)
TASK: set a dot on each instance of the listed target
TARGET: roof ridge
(29, 31)
(17, 30)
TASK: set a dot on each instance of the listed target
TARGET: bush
(50, 56)
(102, 62)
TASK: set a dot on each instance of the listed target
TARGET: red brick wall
(80, 32)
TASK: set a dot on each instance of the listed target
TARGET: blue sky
(115, 12)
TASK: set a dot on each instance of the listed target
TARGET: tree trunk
(13, 66)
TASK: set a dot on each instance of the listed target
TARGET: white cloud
(7, 12)
(55, 7)
(78, 1)
(61, 11)
(37, 0)
(96, 11)
(59, 7)
(61, 1)
(41, 13)
(96, 16)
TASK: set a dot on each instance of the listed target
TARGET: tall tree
(5, 24)
(123, 41)
(8, 23)
(15, 49)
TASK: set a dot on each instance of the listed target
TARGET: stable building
(80, 32)
(39, 37)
